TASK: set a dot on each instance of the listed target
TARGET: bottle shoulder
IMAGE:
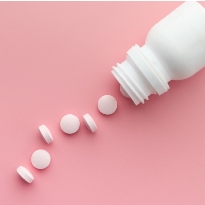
(179, 40)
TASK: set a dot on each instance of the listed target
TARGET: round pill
(123, 92)
(25, 174)
(107, 105)
(90, 123)
(40, 159)
(46, 134)
(70, 124)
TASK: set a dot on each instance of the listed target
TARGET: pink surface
(55, 59)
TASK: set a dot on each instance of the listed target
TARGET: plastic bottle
(174, 50)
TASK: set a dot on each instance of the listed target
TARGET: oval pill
(123, 92)
(89, 122)
(46, 134)
(40, 159)
(70, 124)
(107, 104)
(25, 174)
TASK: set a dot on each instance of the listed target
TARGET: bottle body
(174, 50)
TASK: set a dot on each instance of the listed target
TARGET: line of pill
(69, 124)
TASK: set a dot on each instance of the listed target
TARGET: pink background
(55, 59)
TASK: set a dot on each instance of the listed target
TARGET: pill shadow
(87, 131)
(21, 181)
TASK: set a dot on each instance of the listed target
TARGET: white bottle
(174, 50)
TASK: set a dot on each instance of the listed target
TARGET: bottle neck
(156, 62)
(141, 74)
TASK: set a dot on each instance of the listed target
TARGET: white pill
(46, 134)
(123, 92)
(70, 124)
(40, 159)
(25, 174)
(90, 123)
(107, 104)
